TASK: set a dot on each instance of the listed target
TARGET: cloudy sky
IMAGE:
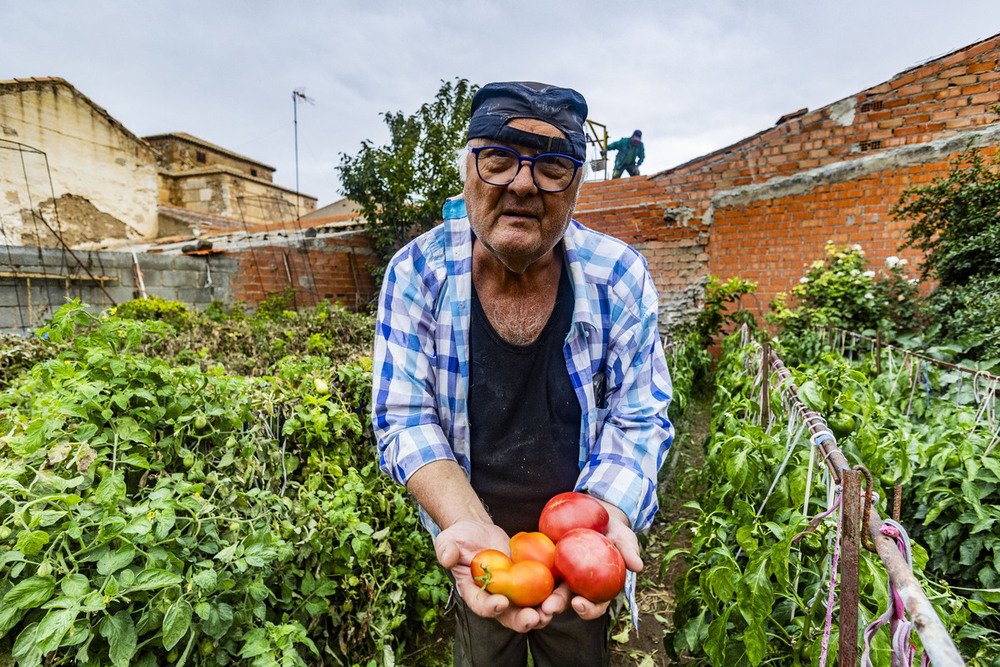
(693, 75)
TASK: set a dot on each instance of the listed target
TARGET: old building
(202, 177)
(68, 169)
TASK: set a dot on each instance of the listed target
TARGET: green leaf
(75, 585)
(255, 643)
(153, 578)
(176, 622)
(111, 562)
(207, 580)
(737, 469)
(755, 599)
(30, 593)
(54, 626)
(119, 630)
(26, 650)
(9, 617)
(715, 646)
(111, 489)
(30, 542)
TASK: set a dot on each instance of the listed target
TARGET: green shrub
(174, 313)
(152, 514)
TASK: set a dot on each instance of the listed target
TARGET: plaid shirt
(613, 355)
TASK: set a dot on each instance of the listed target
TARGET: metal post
(878, 353)
(765, 389)
(850, 558)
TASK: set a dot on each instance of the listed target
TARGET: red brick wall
(764, 208)
(333, 270)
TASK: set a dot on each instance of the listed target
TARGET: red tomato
(570, 510)
(526, 584)
(590, 564)
(533, 546)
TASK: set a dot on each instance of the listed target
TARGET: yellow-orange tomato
(533, 546)
(526, 584)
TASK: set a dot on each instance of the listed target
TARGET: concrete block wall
(28, 300)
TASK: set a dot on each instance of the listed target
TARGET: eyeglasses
(551, 172)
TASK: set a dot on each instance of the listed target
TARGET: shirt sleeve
(642, 153)
(405, 417)
(636, 432)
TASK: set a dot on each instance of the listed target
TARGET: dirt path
(655, 592)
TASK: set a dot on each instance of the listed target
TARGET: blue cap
(496, 104)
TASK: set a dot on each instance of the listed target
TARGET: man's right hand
(455, 548)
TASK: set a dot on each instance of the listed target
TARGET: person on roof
(631, 154)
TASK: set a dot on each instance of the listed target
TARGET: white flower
(803, 279)
(913, 281)
(854, 272)
(869, 295)
(903, 262)
(891, 261)
(868, 274)
(856, 247)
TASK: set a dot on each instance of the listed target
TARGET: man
(631, 154)
(516, 357)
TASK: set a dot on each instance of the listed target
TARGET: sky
(694, 76)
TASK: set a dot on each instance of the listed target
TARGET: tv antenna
(298, 94)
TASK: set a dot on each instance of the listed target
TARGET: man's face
(518, 223)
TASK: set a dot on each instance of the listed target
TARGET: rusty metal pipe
(933, 635)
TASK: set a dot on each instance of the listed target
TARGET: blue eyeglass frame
(520, 163)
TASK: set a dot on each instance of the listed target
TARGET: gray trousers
(567, 641)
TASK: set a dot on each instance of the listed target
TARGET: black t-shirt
(524, 417)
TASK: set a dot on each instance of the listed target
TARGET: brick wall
(764, 208)
(333, 270)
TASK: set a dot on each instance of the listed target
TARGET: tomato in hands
(570, 510)
(533, 546)
(526, 583)
(590, 564)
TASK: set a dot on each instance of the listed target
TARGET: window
(199, 156)
(871, 106)
(253, 172)
(866, 146)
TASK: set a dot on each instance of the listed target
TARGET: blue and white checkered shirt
(421, 367)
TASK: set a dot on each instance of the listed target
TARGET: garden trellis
(859, 518)
(982, 386)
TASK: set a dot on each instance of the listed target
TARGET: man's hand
(455, 548)
(621, 535)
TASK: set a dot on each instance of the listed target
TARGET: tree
(957, 224)
(401, 186)
(956, 221)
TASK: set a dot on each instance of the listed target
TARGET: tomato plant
(570, 510)
(590, 564)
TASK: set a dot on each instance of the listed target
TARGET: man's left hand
(621, 535)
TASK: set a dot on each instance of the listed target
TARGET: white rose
(868, 274)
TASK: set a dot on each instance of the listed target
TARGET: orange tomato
(533, 546)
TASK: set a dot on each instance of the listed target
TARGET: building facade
(202, 177)
(69, 170)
